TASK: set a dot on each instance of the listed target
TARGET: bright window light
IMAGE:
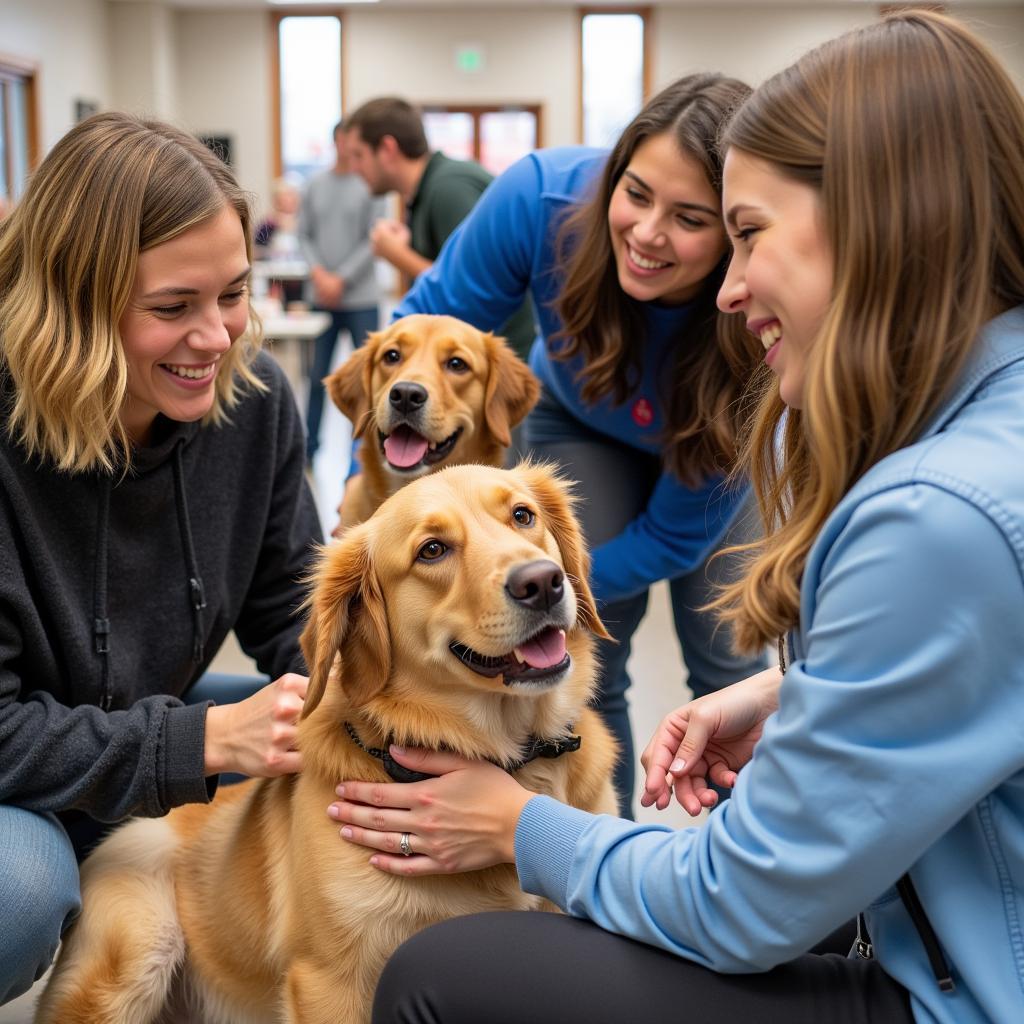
(613, 75)
(310, 52)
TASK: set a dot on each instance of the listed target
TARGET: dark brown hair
(714, 356)
(389, 115)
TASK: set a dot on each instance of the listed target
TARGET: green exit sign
(469, 59)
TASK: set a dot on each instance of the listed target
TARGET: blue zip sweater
(898, 744)
(505, 250)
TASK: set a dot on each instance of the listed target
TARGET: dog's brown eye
(431, 551)
(392, 356)
(523, 516)
(457, 365)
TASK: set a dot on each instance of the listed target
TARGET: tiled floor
(655, 665)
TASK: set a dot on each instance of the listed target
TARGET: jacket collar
(1000, 344)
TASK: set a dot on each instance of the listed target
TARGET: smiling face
(433, 390)
(665, 224)
(483, 574)
(188, 306)
(781, 272)
(464, 597)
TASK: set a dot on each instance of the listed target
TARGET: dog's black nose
(536, 585)
(407, 397)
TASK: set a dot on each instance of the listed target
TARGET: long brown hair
(712, 358)
(914, 135)
(112, 187)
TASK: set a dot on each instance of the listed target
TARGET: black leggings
(525, 968)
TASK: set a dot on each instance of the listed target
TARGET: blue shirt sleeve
(673, 535)
(907, 709)
(485, 268)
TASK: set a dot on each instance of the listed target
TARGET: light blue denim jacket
(898, 744)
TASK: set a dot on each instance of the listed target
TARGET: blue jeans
(38, 896)
(39, 893)
(615, 482)
(357, 322)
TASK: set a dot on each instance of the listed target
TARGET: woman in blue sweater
(622, 255)
(875, 195)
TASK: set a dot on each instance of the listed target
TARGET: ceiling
(214, 5)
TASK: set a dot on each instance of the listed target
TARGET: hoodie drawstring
(100, 622)
(196, 594)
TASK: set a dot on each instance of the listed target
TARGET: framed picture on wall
(84, 109)
(220, 144)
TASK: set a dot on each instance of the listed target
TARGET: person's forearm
(766, 684)
(409, 262)
(215, 748)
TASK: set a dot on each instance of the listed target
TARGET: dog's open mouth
(405, 448)
(542, 657)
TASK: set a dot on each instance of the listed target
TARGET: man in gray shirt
(335, 218)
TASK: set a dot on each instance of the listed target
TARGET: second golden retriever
(457, 617)
(426, 393)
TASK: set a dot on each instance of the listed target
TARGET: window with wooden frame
(19, 125)
(495, 136)
(307, 70)
(615, 70)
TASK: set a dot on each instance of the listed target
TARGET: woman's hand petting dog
(464, 820)
(257, 736)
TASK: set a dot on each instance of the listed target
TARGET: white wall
(530, 56)
(748, 43)
(144, 46)
(223, 89)
(1003, 29)
(70, 43)
(208, 69)
(752, 43)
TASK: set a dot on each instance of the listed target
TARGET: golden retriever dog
(458, 617)
(426, 393)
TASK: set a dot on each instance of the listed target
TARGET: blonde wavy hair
(113, 187)
(914, 136)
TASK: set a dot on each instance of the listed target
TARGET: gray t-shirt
(334, 226)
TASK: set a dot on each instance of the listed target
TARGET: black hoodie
(117, 591)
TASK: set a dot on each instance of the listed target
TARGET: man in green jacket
(388, 147)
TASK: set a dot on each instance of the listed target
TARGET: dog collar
(536, 747)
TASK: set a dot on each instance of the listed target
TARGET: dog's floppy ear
(512, 390)
(349, 385)
(347, 617)
(557, 503)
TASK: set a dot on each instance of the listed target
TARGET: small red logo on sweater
(643, 413)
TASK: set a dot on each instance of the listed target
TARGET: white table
(301, 328)
(281, 269)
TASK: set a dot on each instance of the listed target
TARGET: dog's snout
(407, 397)
(538, 585)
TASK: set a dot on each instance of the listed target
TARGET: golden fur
(474, 383)
(252, 909)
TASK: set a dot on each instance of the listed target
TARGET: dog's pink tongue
(405, 447)
(545, 649)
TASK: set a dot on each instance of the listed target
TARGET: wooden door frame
(26, 72)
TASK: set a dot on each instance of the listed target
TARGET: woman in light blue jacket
(875, 195)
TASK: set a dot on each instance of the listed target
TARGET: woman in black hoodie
(152, 499)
